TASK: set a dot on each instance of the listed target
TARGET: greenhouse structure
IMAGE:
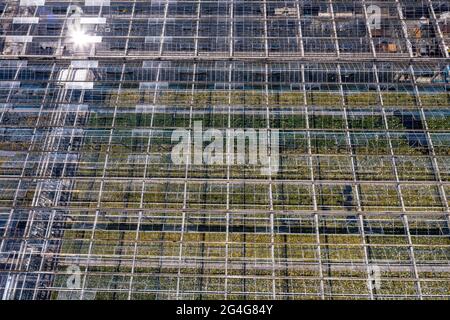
(352, 198)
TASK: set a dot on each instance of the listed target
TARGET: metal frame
(364, 144)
